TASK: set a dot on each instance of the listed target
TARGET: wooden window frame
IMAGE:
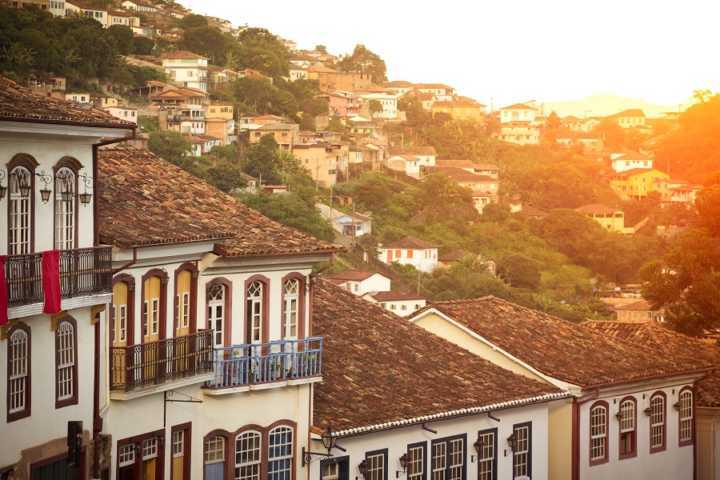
(138, 440)
(293, 446)
(301, 305)
(423, 447)
(494, 466)
(186, 428)
(192, 322)
(26, 161)
(633, 452)
(516, 427)
(384, 453)
(663, 446)
(162, 313)
(26, 412)
(227, 308)
(72, 400)
(447, 440)
(606, 438)
(129, 281)
(691, 440)
(264, 308)
(75, 166)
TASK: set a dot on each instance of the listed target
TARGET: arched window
(627, 417)
(65, 208)
(291, 308)
(119, 327)
(248, 455)
(66, 363)
(20, 208)
(18, 362)
(217, 312)
(280, 453)
(685, 415)
(214, 457)
(255, 311)
(658, 417)
(598, 433)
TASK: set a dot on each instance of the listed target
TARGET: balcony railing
(244, 365)
(83, 271)
(155, 363)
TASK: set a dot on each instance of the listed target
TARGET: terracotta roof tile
(145, 200)
(20, 104)
(409, 242)
(556, 347)
(380, 368)
(181, 55)
(597, 209)
(668, 343)
(352, 275)
(396, 296)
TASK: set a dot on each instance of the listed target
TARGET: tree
(123, 37)
(171, 146)
(375, 107)
(520, 271)
(364, 61)
(192, 21)
(206, 41)
(143, 46)
(226, 176)
(708, 206)
(261, 160)
(321, 48)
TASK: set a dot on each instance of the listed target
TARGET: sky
(506, 51)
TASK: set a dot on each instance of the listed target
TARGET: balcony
(83, 272)
(157, 366)
(253, 367)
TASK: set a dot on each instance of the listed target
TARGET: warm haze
(501, 52)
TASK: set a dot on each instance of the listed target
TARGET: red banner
(3, 292)
(51, 281)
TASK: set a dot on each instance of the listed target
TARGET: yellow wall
(560, 441)
(444, 329)
(460, 113)
(642, 184)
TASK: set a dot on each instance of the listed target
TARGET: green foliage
(148, 124)
(206, 41)
(520, 271)
(123, 37)
(261, 160)
(143, 46)
(291, 209)
(364, 61)
(192, 21)
(171, 146)
(259, 49)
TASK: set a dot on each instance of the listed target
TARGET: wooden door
(119, 331)
(182, 304)
(151, 328)
(180, 451)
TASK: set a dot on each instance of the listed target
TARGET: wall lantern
(24, 187)
(676, 406)
(86, 196)
(45, 191)
(512, 441)
(404, 460)
(648, 411)
(479, 444)
(328, 441)
(363, 468)
(3, 188)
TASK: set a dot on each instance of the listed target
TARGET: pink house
(342, 104)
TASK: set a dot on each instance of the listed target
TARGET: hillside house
(202, 144)
(411, 161)
(639, 183)
(637, 311)
(439, 91)
(519, 133)
(388, 103)
(360, 282)
(486, 169)
(611, 219)
(463, 108)
(352, 225)
(410, 251)
(399, 87)
(631, 118)
(518, 112)
(220, 122)
(79, 97)
(285, 134)
(399, 303)
(484, 189)
(637, 421)
(123, 113)
(319, 160)
(622, 162)
(186, 69)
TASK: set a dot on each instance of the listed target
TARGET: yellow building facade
(637, 184)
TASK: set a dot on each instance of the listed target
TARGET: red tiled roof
(631, 112)
(639, 306)
(597, 209)
(20, 104)
(352, 275)
(145, 200)
(409, 242)
(519, 106)
(637, 171)
(378, 368)
(390, 296)
(555, 347)
(181, 55)
(419, 150)
(460, 175)
(667, 343)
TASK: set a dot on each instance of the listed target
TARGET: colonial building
(410, 251)
(611, 219)
(633, 410)
(186, 69)
(360, 282)
(397, 401)
(212, 356)
(55, 281)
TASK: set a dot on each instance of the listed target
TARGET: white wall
(423, 260)
(47, 153)
(45, 422)
(397, 440)
(404, 308)
(675, 462)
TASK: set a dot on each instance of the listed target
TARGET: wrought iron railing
(242, 365)
(83, 271)
(154, 363)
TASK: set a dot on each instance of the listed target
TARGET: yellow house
(611, 219)
(319, 160)
(639, 183)
(461, 109)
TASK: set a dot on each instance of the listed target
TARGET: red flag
(3, 292)
(51, 281)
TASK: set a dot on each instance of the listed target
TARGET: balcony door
(182, 303)
(120, 315)
(151, 309)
